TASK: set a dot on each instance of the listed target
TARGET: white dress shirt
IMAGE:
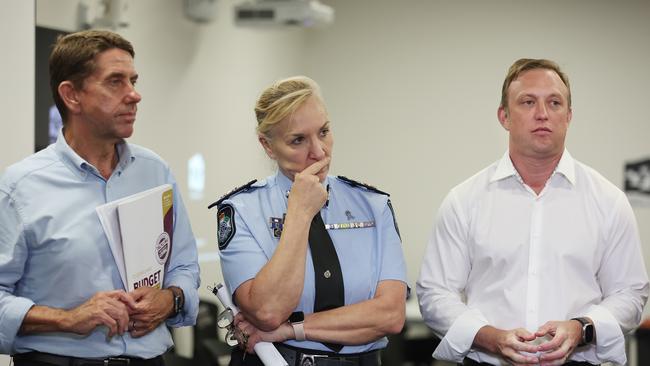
(504, 256)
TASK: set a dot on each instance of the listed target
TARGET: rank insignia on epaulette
(225, 225)
(234, 191)
(354, 183)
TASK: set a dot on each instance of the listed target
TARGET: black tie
(327, 271)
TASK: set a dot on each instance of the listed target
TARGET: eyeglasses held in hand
(225, 321)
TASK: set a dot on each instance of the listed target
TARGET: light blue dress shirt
(53, 250)
(367, 255)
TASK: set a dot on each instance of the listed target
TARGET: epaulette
(243, 188)
(354, 183)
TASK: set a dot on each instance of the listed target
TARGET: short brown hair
(281, 99)
(525, 64)
(73, 59)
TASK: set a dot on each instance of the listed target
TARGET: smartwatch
(297, 320)
(179, 300)
(587, 331)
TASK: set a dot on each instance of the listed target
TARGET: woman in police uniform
(314, 261)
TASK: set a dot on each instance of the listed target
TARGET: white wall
(17, 78)
(17, 85)
(413, 87)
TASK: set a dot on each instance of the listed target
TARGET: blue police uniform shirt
(367, 255)
(53, 250)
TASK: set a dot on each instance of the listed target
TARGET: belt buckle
(309, 360)
(116, 361)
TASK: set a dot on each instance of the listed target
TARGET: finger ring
(133, 325)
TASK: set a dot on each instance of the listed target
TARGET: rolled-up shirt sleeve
(13, 255)
(183, 270)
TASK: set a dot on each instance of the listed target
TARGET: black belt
(470, 362)
(31, 358)
(305, 357)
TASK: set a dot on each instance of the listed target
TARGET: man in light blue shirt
(62, 300)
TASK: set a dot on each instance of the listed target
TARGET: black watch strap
(178, 300)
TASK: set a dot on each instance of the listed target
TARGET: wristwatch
(297, 320)
(179, 300)
(587, 331)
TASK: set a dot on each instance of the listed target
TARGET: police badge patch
(225, 225)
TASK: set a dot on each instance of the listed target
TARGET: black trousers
(237, 358)
(470, 362)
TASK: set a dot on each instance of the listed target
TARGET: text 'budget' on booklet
(139, 232)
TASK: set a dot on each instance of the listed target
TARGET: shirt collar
(80, 165)
(124, 154)
(567, 167)
(506, 169)
(283, 182)
(69, 156)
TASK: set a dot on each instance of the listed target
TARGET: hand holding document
(266, 351)
(139, 230)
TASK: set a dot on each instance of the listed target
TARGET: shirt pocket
(357, 252)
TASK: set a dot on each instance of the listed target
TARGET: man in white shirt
(537, 258)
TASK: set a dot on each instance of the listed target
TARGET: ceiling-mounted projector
(303, 13)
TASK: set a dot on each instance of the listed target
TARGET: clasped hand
(138, 312)
(248, 335)
(518, 346)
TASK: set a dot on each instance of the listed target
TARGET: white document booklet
(139, 231)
